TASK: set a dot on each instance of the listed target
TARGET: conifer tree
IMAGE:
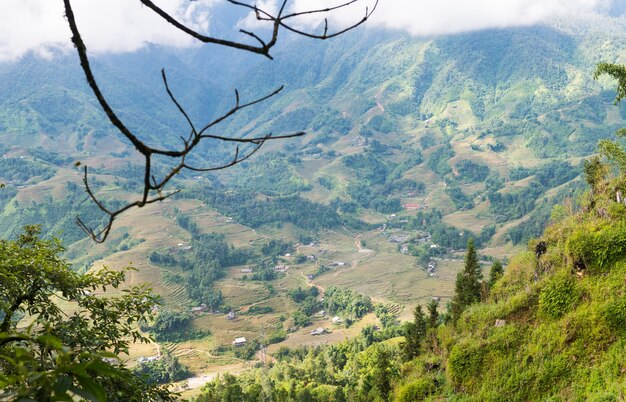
(414, 332)
(433, 314)
(468, 283)
(495, 273)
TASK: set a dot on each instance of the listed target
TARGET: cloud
(106, 25)
(436, 17)
(125, 25)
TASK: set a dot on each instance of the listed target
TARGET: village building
(231, 315)
(239, 341)
(142, 360)
(336, 320)
(310, 277)
(281, 268)
(399, 238)
(246, 270)
(339, 263)
(200, 309)
(318, 331)
(411, 207)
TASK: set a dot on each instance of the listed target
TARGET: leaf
(51, 341)
(89, 389)
(62, 385)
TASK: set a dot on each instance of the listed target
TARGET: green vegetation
(202, 264)
(246, 209)
(60, 348)
(166, 369)
(548, 327)
(468, 283)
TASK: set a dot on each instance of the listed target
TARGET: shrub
(416, 391)
(615, 315)
(465, 362)
(558, 296)
(598, 249)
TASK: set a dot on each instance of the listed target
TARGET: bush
(558, 296)
(416, 390)
(598, 249)
(465, 362)
(615, 315)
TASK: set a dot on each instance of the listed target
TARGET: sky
(39, 26)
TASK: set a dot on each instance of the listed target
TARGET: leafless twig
(152, 188)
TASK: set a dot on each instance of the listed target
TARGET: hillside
(552, 328)
(414, 144)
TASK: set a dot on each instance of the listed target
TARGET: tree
(610, 149)
(244, 147)
(414, 333)
(468, 283)
(495, 273)
(58, 339)
(433, 314)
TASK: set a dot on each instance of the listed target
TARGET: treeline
(248, 210)
(23, 170)
(517, 203)
(536, 222)
(165, 370)
(445, 235)
(363, 368)
(202, 265)
(345, 303)
(271, 174)
(379, 181)
(58, 215)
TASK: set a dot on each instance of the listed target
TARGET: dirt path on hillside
(380, 105)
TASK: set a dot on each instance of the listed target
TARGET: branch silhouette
(153, 189)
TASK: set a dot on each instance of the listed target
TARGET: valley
(414, 145)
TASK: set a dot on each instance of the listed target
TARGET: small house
(281, 268)
(143, 360)
(246, 270)
(239, 341)
(411, 207)
(321, 313)
(336, 320)
(318, 331)
(310, 277)
(200, 309)
(339, 263)
(231, 315)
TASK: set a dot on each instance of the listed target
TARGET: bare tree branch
(152, 190)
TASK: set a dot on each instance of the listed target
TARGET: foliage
(414, 334)
(166, 369)
(495, 272)
(468, 283)
(347, 303)
(558, 296)
(54, 352)
(246, 209)
(170, 326)
(472, 171)
(202, 264)
(271, 175)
